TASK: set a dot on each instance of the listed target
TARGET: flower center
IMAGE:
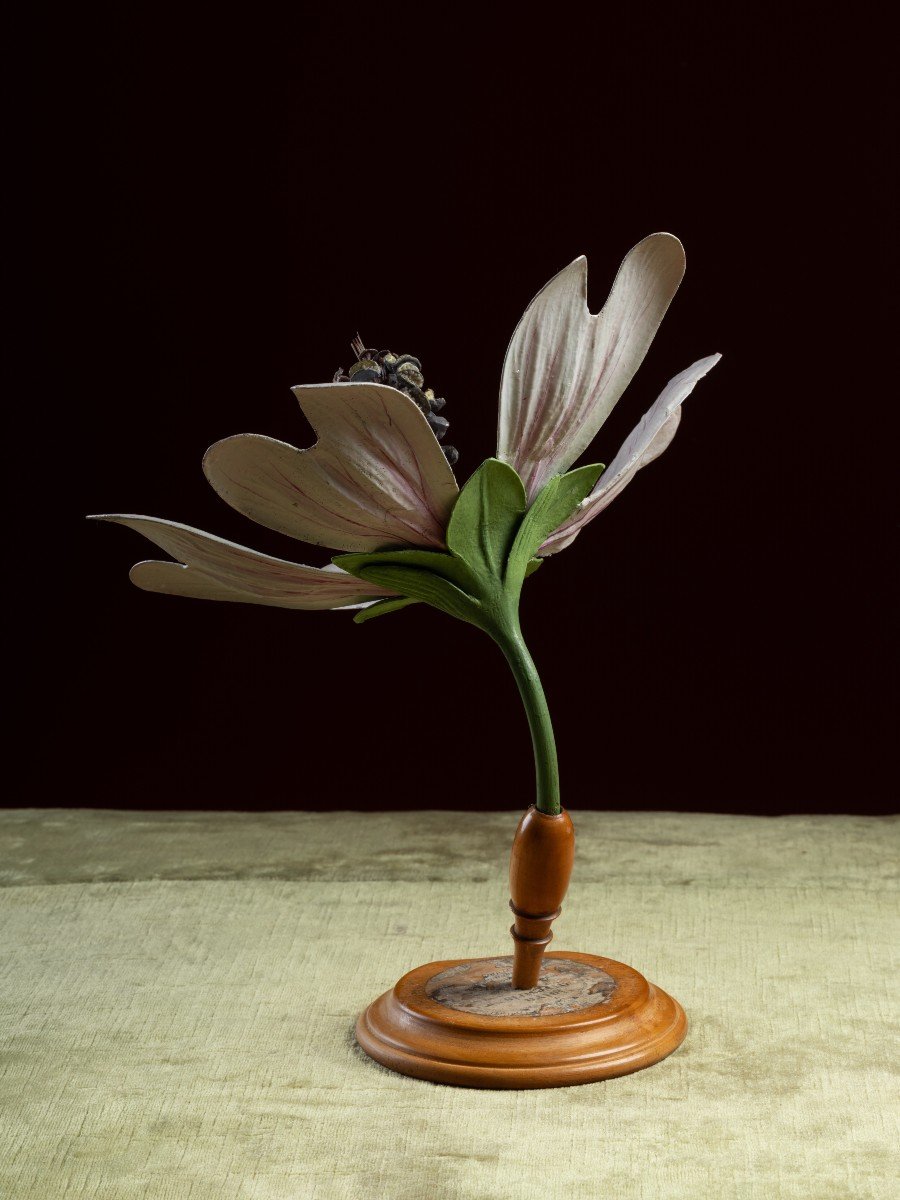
(403, 372)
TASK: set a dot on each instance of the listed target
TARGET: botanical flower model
(378, 484)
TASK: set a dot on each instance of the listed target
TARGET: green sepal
(556, 501)
(418, 584)
(466, 583)
(485, 518)
(444, 565)
(382, 607)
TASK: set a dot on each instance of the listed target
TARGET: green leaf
(486, 516)
(418, 584)
(463, 583)
(381, 608)
(552, 505)
(444, 565)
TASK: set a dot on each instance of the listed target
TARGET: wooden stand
(532, 1020)
(540, 867)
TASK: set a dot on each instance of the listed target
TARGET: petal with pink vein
(566, 368)
(211, 568)
(376, 477)
(646, 442)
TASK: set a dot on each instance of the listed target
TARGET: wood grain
(411, 1032)
(540, 867)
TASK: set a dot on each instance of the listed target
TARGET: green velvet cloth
(178, 994)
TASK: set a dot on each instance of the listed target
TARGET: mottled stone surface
(485, 987)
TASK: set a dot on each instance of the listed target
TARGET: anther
(403, 372)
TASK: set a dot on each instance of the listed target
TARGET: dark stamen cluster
(403, 372)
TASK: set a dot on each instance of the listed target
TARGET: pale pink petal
(645, 442)
(566, 368)
(376, 477)
(215, 569)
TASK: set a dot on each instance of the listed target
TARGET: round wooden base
(551, 1041)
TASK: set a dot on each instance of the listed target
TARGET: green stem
(511, 642)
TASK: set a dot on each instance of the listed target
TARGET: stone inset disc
(485, 986)
(421, 1028)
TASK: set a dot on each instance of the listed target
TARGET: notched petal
(647, 441)
(566, 368)
(211, 568)
(376, 477)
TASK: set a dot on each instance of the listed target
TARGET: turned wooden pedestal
(411, 1031)
(533, 1019)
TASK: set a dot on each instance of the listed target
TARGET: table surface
(178, 993)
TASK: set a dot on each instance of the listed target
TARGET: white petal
(566, 368)
(215, 569)
(645, 442)
(376, 477)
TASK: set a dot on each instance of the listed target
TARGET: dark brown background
(225, 200)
